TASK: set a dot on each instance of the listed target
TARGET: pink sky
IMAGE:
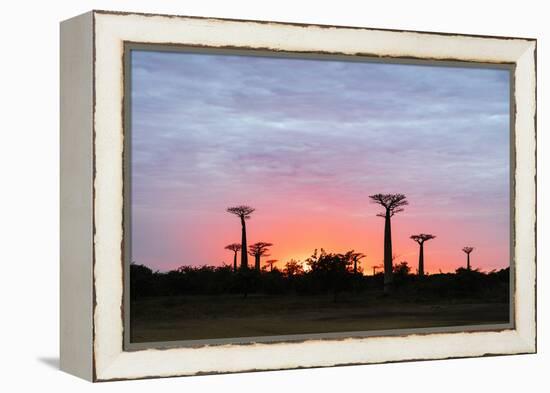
(305, 143)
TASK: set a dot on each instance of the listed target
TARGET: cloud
(311, 135)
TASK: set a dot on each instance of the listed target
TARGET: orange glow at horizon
(297, 235)
(305, 142)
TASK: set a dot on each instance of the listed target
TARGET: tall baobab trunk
(244, 254)
(392, 203)
(421, 261)
(420, 239)
(235, 261)
(257, 262)
(388, 266)
(355, 266)
(468, 261)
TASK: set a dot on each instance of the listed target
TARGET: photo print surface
(285, 197)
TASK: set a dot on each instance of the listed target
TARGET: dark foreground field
(194, 317)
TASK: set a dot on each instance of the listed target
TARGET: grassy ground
(209, 317)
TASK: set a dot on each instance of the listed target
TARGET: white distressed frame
(111, 30)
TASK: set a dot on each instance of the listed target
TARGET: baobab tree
(468, 250)
(392, 204)
(376, 267)
(235, 247)
(420, 239)
(257, 250)
(356, 257)
(243, 212)
(270, 263)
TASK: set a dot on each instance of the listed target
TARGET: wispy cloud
(302, 137)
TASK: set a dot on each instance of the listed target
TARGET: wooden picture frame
(93, 230)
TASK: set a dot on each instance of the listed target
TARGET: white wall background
(29, 195)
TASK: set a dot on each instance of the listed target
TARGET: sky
(305, 142)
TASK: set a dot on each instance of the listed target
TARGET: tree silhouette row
(391, 203)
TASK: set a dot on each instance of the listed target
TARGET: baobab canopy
(393, 203)
(242, 211)
(422, 237)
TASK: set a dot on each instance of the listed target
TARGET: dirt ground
(211, 317)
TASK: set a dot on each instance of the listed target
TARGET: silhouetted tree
(293, 268)
(326, 273)
(468, 250)
(257, 250)
(356, 257)
(235, 247)
(243, 212)
(392, 204)
(270, 263)
(376, 267)
(402, 268)
(420, 239)
(141, 278)
(333, 271)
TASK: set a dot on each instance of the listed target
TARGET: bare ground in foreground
(231, 316)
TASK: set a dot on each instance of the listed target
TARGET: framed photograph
(248, 195)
